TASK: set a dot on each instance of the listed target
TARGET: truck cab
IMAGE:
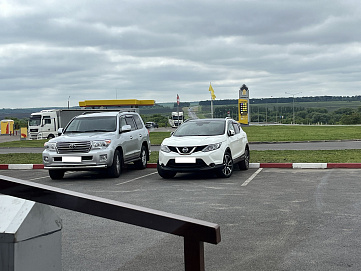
(42, 125)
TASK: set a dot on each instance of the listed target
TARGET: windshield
(34, 120)
(93, 124)
(201, 128)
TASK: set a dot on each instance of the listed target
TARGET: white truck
(176, 119)
(46, 123)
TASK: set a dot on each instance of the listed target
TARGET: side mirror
(231, 133)
(125, 128)
(60, 131)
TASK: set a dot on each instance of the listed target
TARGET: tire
(244, 164)
(165, 174)
(142, 163)
(115, 169)
(50, 136)
(56, 174)
(227, 168)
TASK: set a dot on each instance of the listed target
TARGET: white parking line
(137, 178)
(252, 177)
(46, 177)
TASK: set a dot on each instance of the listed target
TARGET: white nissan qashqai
(204, 144)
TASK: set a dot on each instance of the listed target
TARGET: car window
(47, 120)
(130, 121)
(92, 124)
(201, 128)
(122, 122)
(236, 127)
(138, 122)
(230, 127)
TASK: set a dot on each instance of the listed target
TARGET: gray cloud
(141, 49)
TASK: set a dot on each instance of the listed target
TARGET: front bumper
(203, 161)
(78, 161)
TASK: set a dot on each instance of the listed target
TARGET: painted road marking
(252, 177)
(137, 178)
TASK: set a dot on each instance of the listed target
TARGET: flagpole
(177, 110)
(211, 102)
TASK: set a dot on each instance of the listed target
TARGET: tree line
(285, 100)
(289, 114)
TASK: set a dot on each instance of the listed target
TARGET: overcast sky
(142, 49)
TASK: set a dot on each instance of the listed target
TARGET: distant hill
(21, 113)
(330, 102)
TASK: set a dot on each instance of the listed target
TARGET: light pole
(293, 94)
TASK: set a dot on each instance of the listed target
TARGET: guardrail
(195, 232)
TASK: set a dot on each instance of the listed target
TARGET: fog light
(212, 165)
(46, 159)
(103, 158)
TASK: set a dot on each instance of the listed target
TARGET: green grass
(306, 156)
(283, 133)
(277, 133)
(274, 133)
(21, 158)
(24, 144)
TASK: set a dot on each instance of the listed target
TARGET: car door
(141, 132)
(127, 138)
(133, 139)
(47, 126)
(235, 139)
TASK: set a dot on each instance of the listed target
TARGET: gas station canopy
(127, 102)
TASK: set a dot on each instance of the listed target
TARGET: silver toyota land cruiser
(105, 140)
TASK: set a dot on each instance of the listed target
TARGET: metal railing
(195, 232)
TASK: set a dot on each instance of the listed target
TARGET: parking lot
(270, 219)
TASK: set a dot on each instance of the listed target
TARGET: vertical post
(211, 108)
(293, 104)
(193, 254)
(293, 110)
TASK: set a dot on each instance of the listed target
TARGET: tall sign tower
(243, 105)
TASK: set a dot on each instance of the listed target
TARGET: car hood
(192, 140)
(83, 137)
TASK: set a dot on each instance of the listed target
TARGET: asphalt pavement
(270, 219)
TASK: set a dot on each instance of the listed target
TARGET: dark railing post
(193, 254)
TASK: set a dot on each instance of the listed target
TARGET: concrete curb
(251, 165)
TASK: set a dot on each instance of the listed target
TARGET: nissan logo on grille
(185, 150)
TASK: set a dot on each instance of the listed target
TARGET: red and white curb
(305, 165)
(251, 165)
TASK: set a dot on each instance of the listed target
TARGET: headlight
(164, 148)
(212, 147)
(50, 146)
(100, 144)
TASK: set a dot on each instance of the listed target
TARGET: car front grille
(187, 150)
(71, 147)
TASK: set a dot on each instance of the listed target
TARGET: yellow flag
(212, 92)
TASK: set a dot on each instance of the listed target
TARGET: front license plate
(190, 160)
(71, 159)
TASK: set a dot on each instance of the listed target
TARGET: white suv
(204, 144)
(104, 140)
